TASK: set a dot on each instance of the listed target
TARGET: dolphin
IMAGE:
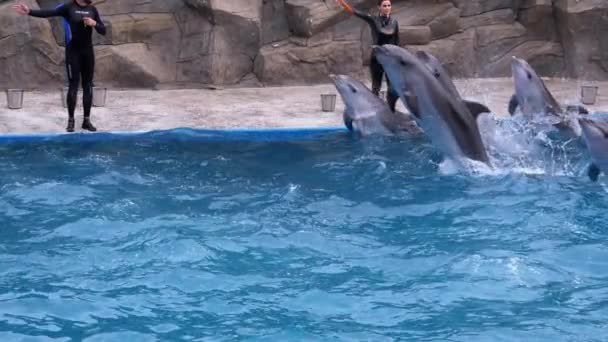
(437, 69)
(441, 115)
(536, 102)
(367, 114)
(595, 134)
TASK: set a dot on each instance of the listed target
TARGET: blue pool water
(189, 235)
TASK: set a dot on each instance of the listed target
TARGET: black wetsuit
(79, 53)
(385, 30)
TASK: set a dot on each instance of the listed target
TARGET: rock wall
(282, 42)
(583, 29)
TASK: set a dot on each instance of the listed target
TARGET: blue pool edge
(212, 134)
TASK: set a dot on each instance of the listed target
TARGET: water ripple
(171, 237)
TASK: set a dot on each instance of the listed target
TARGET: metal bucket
(14, 98)
(99, 96)
(328, 102)
(588, 94)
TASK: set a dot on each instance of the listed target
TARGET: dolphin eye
(436, 74)
(353, 89)
(529, 75)
(402, 62)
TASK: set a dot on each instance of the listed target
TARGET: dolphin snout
(337, 78)
(377, 49)
(515, 61)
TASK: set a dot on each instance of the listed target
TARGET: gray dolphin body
(536, 102)
(443, 117)
(367, 114)
(437, 69)
(595, 134)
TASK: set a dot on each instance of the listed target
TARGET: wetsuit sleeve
(100, 27)
(365, 16)
(60, 11)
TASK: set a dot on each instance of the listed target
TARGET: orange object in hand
(346, 6)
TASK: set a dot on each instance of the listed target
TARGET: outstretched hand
(21, 9)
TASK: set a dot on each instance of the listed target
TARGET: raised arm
(58, 11)
(358, 13)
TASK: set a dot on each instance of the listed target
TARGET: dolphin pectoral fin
(593, 172)
(348, 122)
(513, 103)
(412, 103)
(476, 108)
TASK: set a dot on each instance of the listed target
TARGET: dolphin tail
(476, 108)
(513, 103)
(593, 172)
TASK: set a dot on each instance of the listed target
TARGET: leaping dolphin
(437, 69)
(536, 102)
(443, 117)
(595, 134)
(366, 114)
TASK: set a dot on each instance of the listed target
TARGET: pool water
(185, 235)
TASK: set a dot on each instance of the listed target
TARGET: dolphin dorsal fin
(476, 108)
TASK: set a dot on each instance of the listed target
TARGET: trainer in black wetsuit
(79, 53)
(385, 30)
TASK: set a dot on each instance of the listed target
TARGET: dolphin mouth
(515, 59)
(337, 79)
(340, 83)
(516, 62)
(378, 50)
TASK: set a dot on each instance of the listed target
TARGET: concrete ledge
(253, 108)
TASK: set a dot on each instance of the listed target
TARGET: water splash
(519, 146)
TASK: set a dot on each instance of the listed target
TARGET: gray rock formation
(29, 55)
(278, 42)
(583, 28)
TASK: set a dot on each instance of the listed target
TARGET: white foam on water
(517, 146)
